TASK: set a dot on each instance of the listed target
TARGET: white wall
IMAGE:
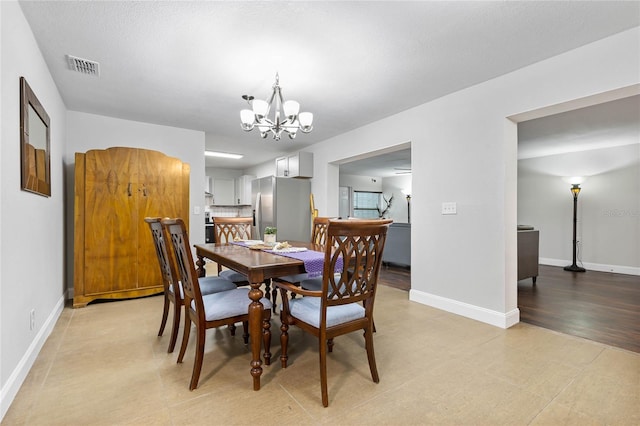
(89, 131)
(268, 168)
(467, 151)
(31, 226)
(361, 183)
(216, 172)
(608, 226)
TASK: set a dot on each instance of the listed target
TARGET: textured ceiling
(605, 125)
(186, 64)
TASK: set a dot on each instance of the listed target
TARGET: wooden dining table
(258, 266)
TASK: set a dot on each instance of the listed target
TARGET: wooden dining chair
(173, 293)
(319, 237)
(210, 310)
(345, 302)
(227, 229)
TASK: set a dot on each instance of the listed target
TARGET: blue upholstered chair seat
(307, 309)
(313, 284)
(210, 285)
(232, 276)
(226, 304)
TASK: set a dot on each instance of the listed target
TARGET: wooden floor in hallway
(599, 306)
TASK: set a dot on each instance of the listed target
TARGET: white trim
(616, 269)
(19, 374)
(488, 316)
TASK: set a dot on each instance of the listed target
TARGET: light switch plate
(449, 207)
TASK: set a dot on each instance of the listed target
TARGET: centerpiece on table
(270, 234)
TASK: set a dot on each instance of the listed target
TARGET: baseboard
(19, 374)
(616, 269)
(488, 316)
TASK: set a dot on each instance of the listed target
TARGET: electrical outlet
(449, 207)
(32, 319)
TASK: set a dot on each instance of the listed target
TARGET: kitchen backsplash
(230, 211)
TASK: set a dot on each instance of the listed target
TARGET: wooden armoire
(115, 189)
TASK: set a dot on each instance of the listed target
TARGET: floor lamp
(575, 190)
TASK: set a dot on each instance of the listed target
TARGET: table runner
(313, 260)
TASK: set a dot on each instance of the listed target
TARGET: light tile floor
(104, 364)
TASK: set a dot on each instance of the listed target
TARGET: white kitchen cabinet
(297, 165)
(224, 191)
(243, 189)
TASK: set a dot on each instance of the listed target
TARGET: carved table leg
(256, 312)
(200, 267)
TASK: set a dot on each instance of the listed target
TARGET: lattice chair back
(358, 247)
(169, 279)
(227, 229)
(319, 234)
(177, 232)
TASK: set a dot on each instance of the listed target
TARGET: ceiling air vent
(84, 66)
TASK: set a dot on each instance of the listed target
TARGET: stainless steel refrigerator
(282, 203)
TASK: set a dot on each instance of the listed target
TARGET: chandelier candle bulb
(306, 118)
(246, 115)
(291, 109)
(260, 108)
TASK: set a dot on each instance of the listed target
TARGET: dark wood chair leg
(330, 345)
(284, 341)
(323, 372)
(274, 295)
(266, 337)
(199, 357)
(175, 326)
(185, 337)
(245, 333)
(368, 338)
(165, 315)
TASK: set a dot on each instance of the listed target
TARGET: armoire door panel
(111, 222)
(160, 195)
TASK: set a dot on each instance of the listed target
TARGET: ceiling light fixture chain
(286, 117)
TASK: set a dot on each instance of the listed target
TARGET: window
(365, 204)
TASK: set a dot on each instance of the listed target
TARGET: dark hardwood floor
(395, 276)
(599, 306)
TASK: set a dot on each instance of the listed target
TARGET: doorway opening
(597, 138)
(379, 184)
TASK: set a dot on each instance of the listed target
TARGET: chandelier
(286, 116)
